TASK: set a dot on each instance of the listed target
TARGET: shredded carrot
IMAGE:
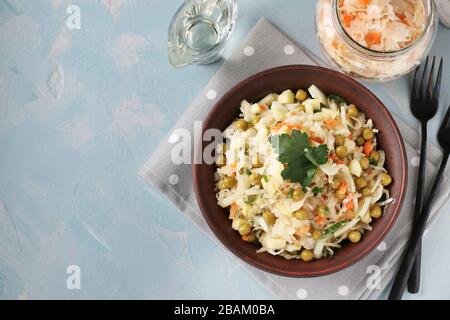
(316, 139)
(302, 230)
(365, 2)
(347, 19)
(349, 205)
(320, 220)
(343, 186)
(330, 123)
(335, 44)
(278, 126)
(336, 159)
(368, 148)
(373, 38)
(262, 107)
(295, 126)
(245, 237)
(402, 17)
(349, 202)
(290, 126)
(233, 210)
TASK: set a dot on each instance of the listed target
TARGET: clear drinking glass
(198, 31)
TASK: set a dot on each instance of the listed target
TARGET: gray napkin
(443, 9)
(365, 279)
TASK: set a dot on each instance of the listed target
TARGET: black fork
(414, 243)
(424, 105)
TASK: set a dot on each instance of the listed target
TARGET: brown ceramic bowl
(330, 82)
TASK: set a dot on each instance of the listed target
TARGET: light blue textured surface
(80, 112)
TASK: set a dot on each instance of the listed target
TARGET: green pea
(350, 215)
(375, 212)
(366, 192)
(241, 124)
(323, 211)
(360, 141)
(307, 255)
(335, 183)
(227, 183)
(339, 140)
(374, 157)
(301, 95)
(269, 217)
(302, 214)
(361, 183)
(386, 179)
(364, 162)
(368, 134)
(354, 236)
(297, 194)
(244, 229)
(340, 194)
(251, 237)
(352, 111)
(316, 234)
(341, 152)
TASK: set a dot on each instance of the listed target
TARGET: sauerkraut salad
(301, 173)
(398, 33)
(383, 25)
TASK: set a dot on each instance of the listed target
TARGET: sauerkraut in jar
(375, 39)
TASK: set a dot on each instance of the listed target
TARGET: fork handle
(414, 277)
(408, 260)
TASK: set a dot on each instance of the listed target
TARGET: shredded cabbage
(285, 217)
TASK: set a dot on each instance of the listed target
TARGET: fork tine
(446, 122)
(430, 80)
(423, 77)
(414, 85)
(437, 86)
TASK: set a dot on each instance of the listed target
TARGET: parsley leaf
(373, 161)
(318, 156)
(300, 158)
(337, 99)
(317, 190)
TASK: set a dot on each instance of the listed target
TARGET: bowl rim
(388, 224)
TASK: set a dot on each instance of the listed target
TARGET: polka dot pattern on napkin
(343, 291)
(288, 50)
(301, 293)
(211, 94)
(174, 179)
(249, 51)
(382, 246)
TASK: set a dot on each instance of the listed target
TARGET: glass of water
(198, 31)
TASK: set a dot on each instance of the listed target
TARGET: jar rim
(356, 45)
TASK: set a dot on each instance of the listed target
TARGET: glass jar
(357, 60)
